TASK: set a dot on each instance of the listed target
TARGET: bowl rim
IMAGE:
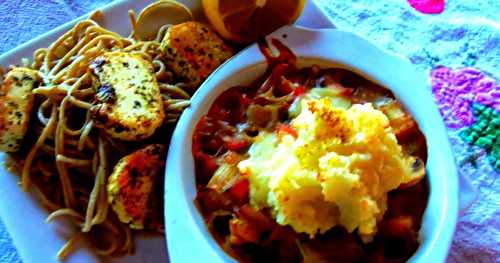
(184, 229)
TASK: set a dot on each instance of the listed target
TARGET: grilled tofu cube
(16, 104)
(131, 185)
(128, 104)
(193, 51)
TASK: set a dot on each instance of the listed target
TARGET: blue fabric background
(22, 20)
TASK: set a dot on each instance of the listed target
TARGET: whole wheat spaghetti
(67, 160)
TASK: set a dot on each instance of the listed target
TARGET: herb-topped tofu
(128, 104)
(16, 104)
(131, 185)
(193, 51)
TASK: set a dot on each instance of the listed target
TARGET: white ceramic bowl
(188, 238)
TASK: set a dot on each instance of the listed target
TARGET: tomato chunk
(236, 145)
(240, 190)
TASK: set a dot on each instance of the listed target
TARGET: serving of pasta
(87, 121)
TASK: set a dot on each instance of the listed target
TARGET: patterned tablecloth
(456, 44)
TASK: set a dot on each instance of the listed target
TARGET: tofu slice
(193, 51)
(130, 186)
(16, 105)
(128, 105)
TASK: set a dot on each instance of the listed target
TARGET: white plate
(37, 241)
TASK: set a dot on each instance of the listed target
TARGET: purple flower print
(456, 90)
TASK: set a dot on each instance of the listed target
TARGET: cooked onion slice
(227, 174)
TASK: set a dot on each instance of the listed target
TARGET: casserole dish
(327, 48)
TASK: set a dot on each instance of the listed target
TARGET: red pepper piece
(287, 129)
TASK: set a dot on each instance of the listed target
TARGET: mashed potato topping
(334, 166)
